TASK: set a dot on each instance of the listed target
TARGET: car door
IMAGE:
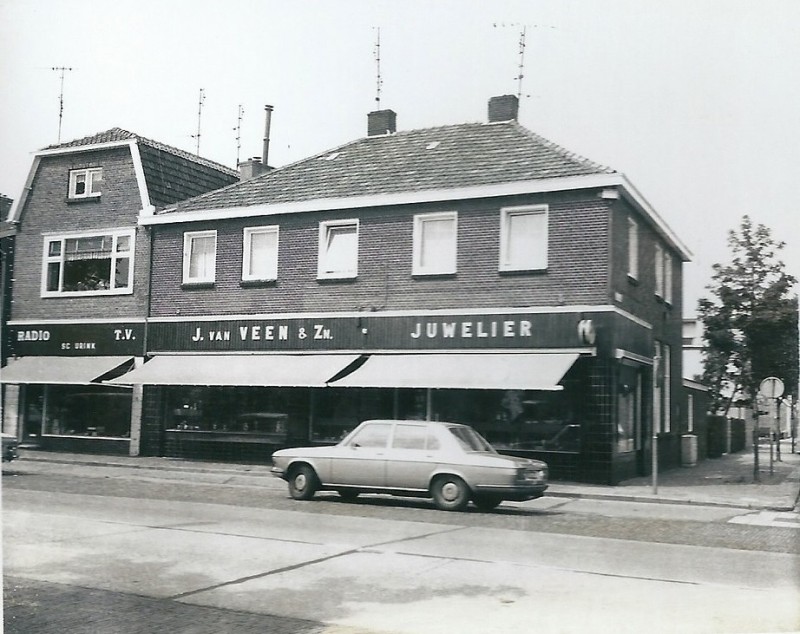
(412, 457)
(362, 460)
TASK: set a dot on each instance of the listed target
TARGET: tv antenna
(378, 79)
(62, 70)
(522, 43)
(200, 101)
(238, 130)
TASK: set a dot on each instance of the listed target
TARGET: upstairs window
(85, 183)
(199, 257)
(260, 254)
(88, 263)
(633, 249)
(338, 249)
(523, 238)
(435, 243)
(658, 260)
(668, 278)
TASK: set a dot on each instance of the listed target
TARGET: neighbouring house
(80, 291)
(473, 272)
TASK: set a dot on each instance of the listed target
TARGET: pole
(654, 462)
(778, 425)
(756, 476)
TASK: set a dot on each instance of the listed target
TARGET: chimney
(267, 124)
(251, 168)
(381, 122)
(503, 108)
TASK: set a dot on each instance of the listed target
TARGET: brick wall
(46, 211)
(577, 273)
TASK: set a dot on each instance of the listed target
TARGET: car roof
(437, 423)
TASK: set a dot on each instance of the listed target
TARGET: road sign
(771, 387)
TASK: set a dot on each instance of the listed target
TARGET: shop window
(435, 243)
(199, 257)
(87, 411)
(338, 249)
(260, 254)
(523, 238)
(88, 263)
(633, 249)
(85, 183)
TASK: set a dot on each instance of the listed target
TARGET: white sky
(696, 101)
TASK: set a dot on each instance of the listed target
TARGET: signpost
(772, 388)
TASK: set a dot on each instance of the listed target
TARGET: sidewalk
(726, 481)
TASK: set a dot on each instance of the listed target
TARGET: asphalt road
(93, 549)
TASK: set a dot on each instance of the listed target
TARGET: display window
(87, 411)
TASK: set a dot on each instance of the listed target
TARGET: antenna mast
(61, 69)
(199, 116)
(521, 67)
(378, 79)
(238, 130)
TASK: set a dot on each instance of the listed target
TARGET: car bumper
(10, 453)
(514, 493)
(278, 473)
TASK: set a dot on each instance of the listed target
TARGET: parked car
(10, 444)
(448, 462)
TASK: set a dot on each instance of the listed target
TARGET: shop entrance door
(33, 406)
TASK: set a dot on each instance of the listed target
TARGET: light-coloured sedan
(448, 462)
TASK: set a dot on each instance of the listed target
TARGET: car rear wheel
(450, 493)
(303, 483)
(486, 502)
(348, 495)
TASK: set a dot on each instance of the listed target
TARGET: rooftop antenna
(521, 66)
(62, 70)
(200, 101)
(378, 79)
(238, 130)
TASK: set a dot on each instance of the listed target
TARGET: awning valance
(267, 370)
(519, 371)
(63, 370)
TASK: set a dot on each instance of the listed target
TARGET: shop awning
(64, 370)
(268, 370)
(534, 371)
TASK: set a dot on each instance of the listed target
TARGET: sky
(697, 102)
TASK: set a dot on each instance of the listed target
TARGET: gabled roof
(440, 158)
(164, 174)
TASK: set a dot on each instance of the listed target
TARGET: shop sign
(84, 339)
(372, 332)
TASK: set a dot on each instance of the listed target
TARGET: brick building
(81, 281)
(473, 272)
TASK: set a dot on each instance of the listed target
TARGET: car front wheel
(450, 493)
(303, 483)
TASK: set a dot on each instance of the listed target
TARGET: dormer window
(85, 183)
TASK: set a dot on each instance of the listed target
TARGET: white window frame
(633, 249)
(658, 258)
(418, 267)
(667, 278)
(666, 354)
(505, 236)
(690, 413)
(91, 174)
(115, 256)
(188, 240)
(323, 271)
(247, 253)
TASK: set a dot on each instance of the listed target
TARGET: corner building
(476, 273)
(81, 286)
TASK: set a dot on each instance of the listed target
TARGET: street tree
(750, 321)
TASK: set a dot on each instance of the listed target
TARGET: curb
(753, 506)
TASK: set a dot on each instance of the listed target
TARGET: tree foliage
(750, 321)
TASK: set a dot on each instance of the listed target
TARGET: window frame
(115, 256)
(90, 173)
(322, 253)
(417, 267)
(505, 235)
(667, 277)
(633, 249)
(247, 253)
(188, 240)
(658, 261)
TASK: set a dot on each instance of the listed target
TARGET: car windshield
(470, 440)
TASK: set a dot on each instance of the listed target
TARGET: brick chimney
(503, 108)
(381, 122)
(251, 168)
